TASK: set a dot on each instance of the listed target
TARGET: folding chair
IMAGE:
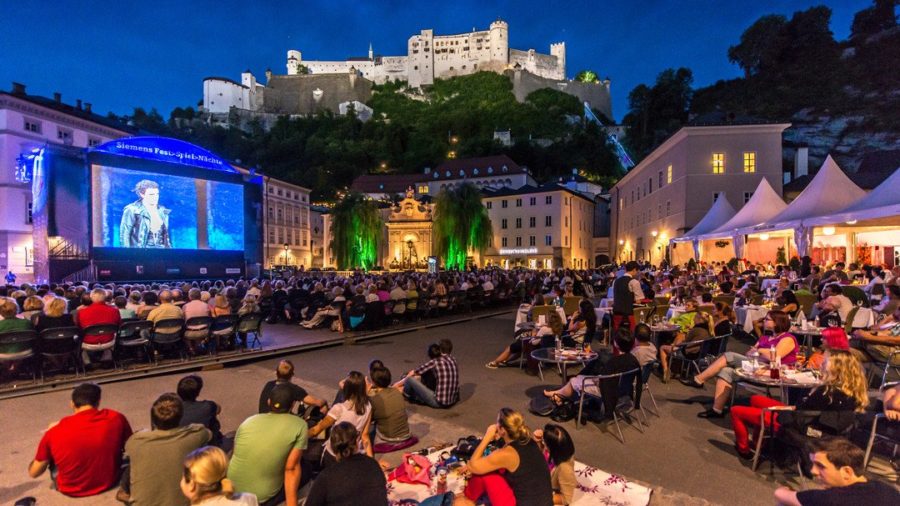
(132, 334)
(19, 347)
(873, 434)
(251, 324)
(709, 349)
(623, 380)
(167, 334)
(60, 343)
(646, 372)
(100, 330)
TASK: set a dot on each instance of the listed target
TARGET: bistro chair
(873, 433)
(624, 405)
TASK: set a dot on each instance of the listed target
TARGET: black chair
(197, 329)
(709, 349)
(133, 335)
(374, 315)
(248, 324)
(629, 398)
(223, 327)
(19, 347)
(167, 335)
(61, 343)
(110, 329)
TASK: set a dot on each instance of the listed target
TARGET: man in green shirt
(267, 451)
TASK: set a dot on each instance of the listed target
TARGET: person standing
(626, 292)
(84, 450)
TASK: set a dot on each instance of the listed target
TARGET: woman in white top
(204, 481)
(356, 409)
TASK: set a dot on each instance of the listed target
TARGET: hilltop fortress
(312, 85)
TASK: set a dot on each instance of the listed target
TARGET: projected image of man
(145, 223)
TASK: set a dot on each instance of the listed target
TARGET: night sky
(122, 54)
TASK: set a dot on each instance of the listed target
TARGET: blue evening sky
(122, 54)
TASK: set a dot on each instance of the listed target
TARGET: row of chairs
(379, 314)
(58, 348)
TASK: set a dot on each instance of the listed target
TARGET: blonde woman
(843, 389)
(33, 305)
(526, 473)
(221, 306)
(203, 480)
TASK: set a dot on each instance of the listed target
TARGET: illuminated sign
(164, 149)
(518, 251)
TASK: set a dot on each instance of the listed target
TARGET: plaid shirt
(447, 374)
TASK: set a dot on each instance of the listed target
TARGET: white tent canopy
(882, 202)
(829, 192)
(720, 212)
(762, 206)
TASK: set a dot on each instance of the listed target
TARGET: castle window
(718, 163)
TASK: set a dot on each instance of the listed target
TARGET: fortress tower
(499, 38)
(559, 51)
(294, 59)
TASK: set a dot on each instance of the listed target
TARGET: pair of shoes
(691, 382)
(711, 413)
(743, 454)
(491, 365)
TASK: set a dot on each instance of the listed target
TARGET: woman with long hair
(584, 323)
(354, 478)
(203, 480)
(520, 457)
(843, 389)
(222, 307)
(560, 452)
(723, 319)
(355, 409)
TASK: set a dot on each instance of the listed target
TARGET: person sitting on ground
(644, 350)
(560, 451)
(843, 389)
(542, 336)
(124, 311)
(355, 409)
(520, 459)
(608, 389)
(839, 466)
(206, 413)
(267, 451)
(446, 390)
(203, 480)
(156, 455)
(284, 374)
(354, 478)
(776, 335)
(85, 448)
(389, 418)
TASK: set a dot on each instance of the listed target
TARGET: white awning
(882, 202)
(720, 212)
(762, 206)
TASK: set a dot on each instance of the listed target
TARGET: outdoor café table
(748, 314)
(790, 379)
(595, 486)
(563, 358)
(662, 327)
(808, 335)
(522, 315)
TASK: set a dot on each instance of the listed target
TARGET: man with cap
(267, 451)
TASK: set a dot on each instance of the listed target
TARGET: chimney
(18, 88)
(78, 104)
(57, 97)
(801, 161)
(87, 107)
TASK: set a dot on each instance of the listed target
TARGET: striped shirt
(446, 371)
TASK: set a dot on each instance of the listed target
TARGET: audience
(446, 391)
(284, 374)
(203, 480)
(155, 455)
(389, 419)
(98, 313)
(267, 451)
(355, 409)
(205, 413)
(354, 478)
(85, 448)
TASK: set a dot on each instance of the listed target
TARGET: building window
(490, 205)
(503, 224)
(503, 242)
(669, 174)
(548, 199)
(668, 208)
(621, 204)
(532, 222)
(271, 236)
(518, 202)
(659, 212)
(650, 185)
(423, 188)
(718, 163)
(29, 207)
(532, 201)
(93, 141)
(750, 161)
(279, 192)
(566, 240)
(548, 221)
(503, 203)
(271, 213)
(548, 240)
(716, 196)
(659, 180)
(565, 221)
(747, 196)
(32, 125)
(518, 222)
(531, 241)
(64, 135)
(518, 241)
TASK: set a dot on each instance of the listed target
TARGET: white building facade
(28, 122)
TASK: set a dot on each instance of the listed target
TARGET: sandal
(492, 365)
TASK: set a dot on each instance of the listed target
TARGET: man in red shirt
(98, 313)
(83, 450)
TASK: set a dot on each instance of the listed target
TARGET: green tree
(356, 227)
(587, 76)
(875, 19)
(759, 44)
(657, 112)
(460, 225)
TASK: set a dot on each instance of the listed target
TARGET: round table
(662, 327)
(783, 383)
(564, 360)
(808, 334)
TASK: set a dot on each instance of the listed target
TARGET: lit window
(718, 163)
(423, 188)
(750, 161)
(621, 204)
(669, 174)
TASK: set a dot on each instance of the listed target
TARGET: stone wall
(597, 95)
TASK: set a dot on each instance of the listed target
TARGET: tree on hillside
(460, 225)
(356, 228)
(657, 112)
(587, 76)
(759, 44)
(875, 19)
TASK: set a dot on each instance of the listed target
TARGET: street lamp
(286, 247)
